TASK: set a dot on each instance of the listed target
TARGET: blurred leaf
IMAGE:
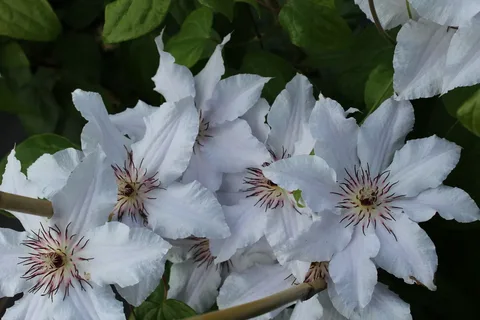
(224, 7)
(379, 87)
(315, 25)
(268, 65)
(465, 106)
(129, 19)
(14, 64)
(253, 3)
(28, 20)
(9, 101)
(81, 13)
(193, 42)
(157, 307)
(180, 9)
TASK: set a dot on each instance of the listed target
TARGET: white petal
(173, 81)
(463, 60)
(232, 147)
(256, 283)
(446, 12)
(284, 224)
(247, 224)
(319, 242)
(183, 210)
(422, 164)
(419, 59)
(14, 181)
(97, 303)
(408, 253)
(298, 268)
(336, 135)
(203, 171)
(255, 117)
(233, 97)
(451, 203)
(92, 108)
(230, 190)
(130, 121)
(308, 310)
(50, 172)
(167, 145)
(88, 197)
(289, 117)
(138, 293)
(123, 255)
(207, 79)
(196, 285)
(414, 209)
(353, 271)
(329, 311)
(258, 253)
(310, 174)
(384, 305)
(383, 133)
(89, 138)
(11, 250)
(391, 13)
(31, 306)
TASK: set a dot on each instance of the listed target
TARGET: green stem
(376, 20)
(409, 10)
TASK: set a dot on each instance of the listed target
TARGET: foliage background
(50, 48)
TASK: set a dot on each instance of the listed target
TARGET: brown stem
(37, 207)
(376, 20)
(253, 309)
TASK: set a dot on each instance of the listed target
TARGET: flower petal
(414, 209)
(92, 108)
(451, 203)
(31, 306)
(446, 12)
(183, 210)
(167, 145)
(247, 224)
(11, 281)
(255, 118)
(255, 283)
(14, 181)
(310, 174)
(284, 224)
(391, 13)
(50, 172)
(422, 164)
(233, 97)
(230, 190)
(329, 311)
(289, 118)
(130, 121)
(258, 253)
(383, 133)
(332, 129)
(203, 171)
(207, 79)
(319, 242)
(232, 147)
(123, 255)
(196, 285)
(97, 303)
(353, 271)
(138, 293)
(88, 197)
(173, 81)
(463, 60)
(310, 309)
(419, 59)
(407, 252)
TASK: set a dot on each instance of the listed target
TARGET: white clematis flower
(224, 142)
(64, 265)
(391, 13)
(370, 191)
(448, 13)
(146, 173)
(254, 205)
(195, 278)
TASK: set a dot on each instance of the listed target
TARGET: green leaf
(267, 64)
(193, 42)
(157, 307)
(130, 19)
(28, 20)
(81, 13)
(297, 195)
(253, 3)
(14, 64)
(224, 7)
(464, 104)
(379, 87)
(315, 25)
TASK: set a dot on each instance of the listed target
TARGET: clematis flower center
(317, 270)
(52, 261)
(134, 185)
(203, 132)
(202, 254)
(367, 200)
